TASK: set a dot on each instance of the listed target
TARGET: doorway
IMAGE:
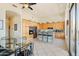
(33, 31)
(72, 29)
(10, 29)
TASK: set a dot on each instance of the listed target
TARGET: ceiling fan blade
(23, 3)
(30, 8)
(31, 3)
(14, 5)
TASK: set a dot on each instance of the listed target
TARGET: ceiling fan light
(26, 6)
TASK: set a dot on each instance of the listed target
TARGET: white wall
(2, 32)
(17, 20)
(17, 34)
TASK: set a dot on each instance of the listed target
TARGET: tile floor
(46, 49)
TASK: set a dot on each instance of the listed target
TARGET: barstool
(18, 52)
(45, 36)
(50, 36)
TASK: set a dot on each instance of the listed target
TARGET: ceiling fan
(26, 5)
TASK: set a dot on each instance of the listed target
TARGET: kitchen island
(45, 35)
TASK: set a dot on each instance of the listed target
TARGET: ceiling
(10, 14)
(43, 12)
(47, 12)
